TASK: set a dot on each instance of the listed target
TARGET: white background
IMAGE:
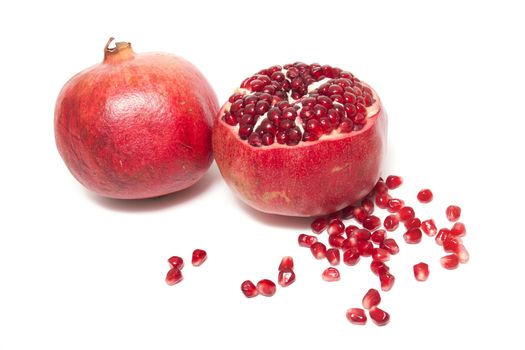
(82, 272)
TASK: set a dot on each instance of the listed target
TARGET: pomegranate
(136, 125)
(301, 140)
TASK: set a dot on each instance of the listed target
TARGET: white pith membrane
(298, 104)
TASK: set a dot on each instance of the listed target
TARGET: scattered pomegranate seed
(421, 271)
(382, 200)
(319, 224)
(378, 267)
(336, 241)
(390, 245)
(442, 235)
(413, 236)
(429, 227)
(391, 222)
(318, 250)
(176, 262)
(425, 196)
(379, 316)
(371, 222)
(378, 236)
(333, 256)
(350, 229)
(173, 276)
(450, 262)
(393, 182)
(452, 243)
(249, 289)
(394, 205)
(406, 214)
(356, 316)
(380, 254)
(285, 278)
(463, 255)
(360, 214)
(266, 287)
(351, 257)
(413, 223)
(286, 264)
(368, 205)
(306, 240)
(453, 213)
(335, 227)
(458, 229)
(372, 298)
(387, 281)
(362, 234)
(365, 248)
(331, 274)
(198, 257)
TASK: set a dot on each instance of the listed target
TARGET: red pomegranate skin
(136, 125)
(308, 179)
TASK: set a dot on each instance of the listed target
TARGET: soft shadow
(294, 222)
(158, 203)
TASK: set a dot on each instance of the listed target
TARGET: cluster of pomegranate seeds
(267, 287)
(370, 301)
(176, 263)
(298, 103)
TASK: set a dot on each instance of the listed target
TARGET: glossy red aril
(319, 224)
(458, 229)
(176, 262)
(198, 257)
(306, 240)
(136, 125)
(421, 271)
(450, 261)
(311, 125)
(249, 289)
(429, 227)
(413, 223)
(380, 254)
(173, 276)
(371, 222)
(333, 256)
(318, 250)
(266, 287)
(390, 245)
(393, 181)
(331, 274)
(286, 264)
(406, 214)
(387, 281)
(391, 222)
(394, 205)
(351, 257)
(442, 236)
(413, 236)
(335, 227)
(372, 298)
(378, 267)
(380, 317)
(356, 316)
(378, 236)
(453, 213)
(336, 241)
(285, 278)
(425, 196)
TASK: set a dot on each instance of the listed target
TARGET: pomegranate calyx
(122, 51)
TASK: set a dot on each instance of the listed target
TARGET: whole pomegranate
(136, 125)
(301, 140)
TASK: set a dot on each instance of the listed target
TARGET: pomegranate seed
(173, 276)
(463, 254)
(442, 236)
(387, 281)
(336, 241)
(378, 236)
(371, 222)
(306, 240)
(390, 245)
(372, 298)
(380, 188)
(391, 222)
(380, 254)
(361, 234)
(349, 243)
(378, 267)
(413, 236)
(356, 316)
(450, 262)
(249, 289)
(382, 200)
(413, 223)
(335, 227)
(379, 316)
(360, 214)
(176, 262)
(351, 257)
(198, 257)
(453, 213)
(365, 248)
(318, 225)
(421, 271)
(425, 196)
(266, 287)
(406, 214)
(451, 244)
(394, 205)
(333, 256)
(393, 182)
(367, 205)
(331, 274)
(286, 264)
(458, 229)
(318, 250)
(350, 230)
(286, 278)
(429, 227)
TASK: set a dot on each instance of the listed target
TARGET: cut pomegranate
(351, 257)
(266, 287)
(453, 213)
(421, 271)
(173, 276)
(286, 264)
(333, 256)
(372, 298)
(319, 224)
(356, 316)
(309, 124)
(318, 250)
(176, 262)
(371, 222)
(390, 245)
(406, 214)
(331, 274)
(393, 181)
(285, 278)
(391, 222)
(198, 257)
(458, 229)
(387, 281)
(413, 236)
(379, 316)
(306, 240)
(429, 227)
(335, 227)
(425, 196)
(450, 262)
(249, 289)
